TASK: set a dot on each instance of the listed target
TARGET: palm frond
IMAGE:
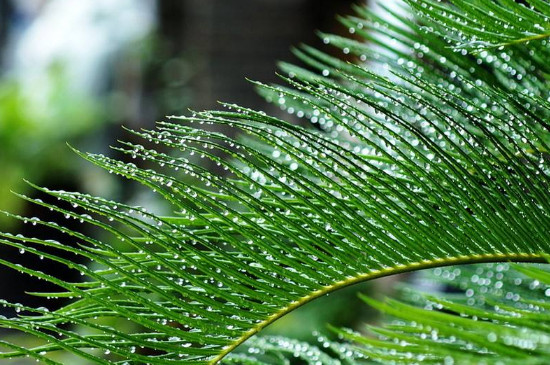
(443, 161)
(487, 24)
(501, 317)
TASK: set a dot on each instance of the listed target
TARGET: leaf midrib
(375, 274)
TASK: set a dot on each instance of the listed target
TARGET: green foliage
(441, 159)
(502, 321)
(482, 24)
(499, 317)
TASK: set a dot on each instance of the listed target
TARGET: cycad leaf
(503, 319)
(441, 160)
(500, 316)
(485, 24)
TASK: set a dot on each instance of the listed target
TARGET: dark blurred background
(75, 71)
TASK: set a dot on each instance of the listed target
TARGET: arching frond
(485, 24)
(501, 317)
(441, 160)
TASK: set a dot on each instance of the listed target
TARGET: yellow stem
(526, 39)
(517, 257)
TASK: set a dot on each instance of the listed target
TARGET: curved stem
(427, 264)
(526, 39)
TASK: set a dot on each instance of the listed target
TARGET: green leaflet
(482, 24)
(504, 320)
(439, 158)
(500, 316)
